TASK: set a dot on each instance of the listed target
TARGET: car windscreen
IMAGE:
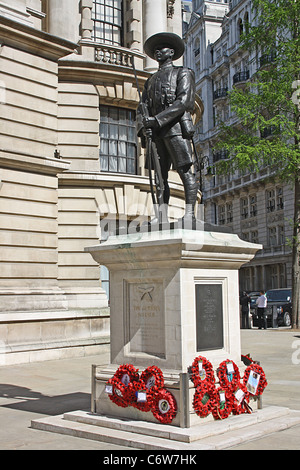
(279, 296)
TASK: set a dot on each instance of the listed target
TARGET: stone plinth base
(214, 435)
(174, 296)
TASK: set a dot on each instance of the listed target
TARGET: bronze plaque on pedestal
(209, 317)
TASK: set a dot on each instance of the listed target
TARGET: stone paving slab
(36, 390)
(210, 436)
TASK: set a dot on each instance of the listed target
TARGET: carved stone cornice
(32, 163)
(34, 41)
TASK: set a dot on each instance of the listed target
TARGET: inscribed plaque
(209, 317)
(146, 318)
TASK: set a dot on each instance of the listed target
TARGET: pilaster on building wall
(58, 79)
(256, 206)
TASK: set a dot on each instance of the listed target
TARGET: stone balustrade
(115, 55)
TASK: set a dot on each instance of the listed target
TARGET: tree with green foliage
(267, 109)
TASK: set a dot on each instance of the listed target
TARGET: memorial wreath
(204, 399)
(255, 379)
(232, 395)
(116, 391)
(240, 400)
(223, 404)
(164, 406)
(153, 378)
(127, 373)
(228, 374)
(202, 372)
(145, 392)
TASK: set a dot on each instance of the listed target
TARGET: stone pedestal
(174, 296)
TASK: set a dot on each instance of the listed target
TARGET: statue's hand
(147, 132)
(150, 123)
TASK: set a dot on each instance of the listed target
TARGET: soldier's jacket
(169, 96)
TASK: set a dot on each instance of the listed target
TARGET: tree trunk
(296, 258)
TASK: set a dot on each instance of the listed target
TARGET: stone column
(86, 19)
(155, 21)
(134, 37)
(64, 19)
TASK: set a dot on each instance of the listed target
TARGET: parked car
(282, 300)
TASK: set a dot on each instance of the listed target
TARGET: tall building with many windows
(256, 206)
(70, 162)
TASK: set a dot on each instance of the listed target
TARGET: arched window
(240, 29)
(246, 22)
(108, 22)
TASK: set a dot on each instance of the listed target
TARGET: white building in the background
(253, 205)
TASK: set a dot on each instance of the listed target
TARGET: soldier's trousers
(177, 152)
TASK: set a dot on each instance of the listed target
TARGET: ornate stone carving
(170, 8)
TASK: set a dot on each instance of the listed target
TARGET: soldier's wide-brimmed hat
(171, 40)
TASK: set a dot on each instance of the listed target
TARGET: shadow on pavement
(36, 402)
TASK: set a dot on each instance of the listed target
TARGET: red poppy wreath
(223, 404)
(117, 392)
(240, 400)
(153, 378)
(138, 396)
(229, 375)
(202, 372)
(164, 407)
(127, 373)
(203, 402)
(254, 379)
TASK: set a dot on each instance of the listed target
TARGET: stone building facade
(69, 161)
(256, 206)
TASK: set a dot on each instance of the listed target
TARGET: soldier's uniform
(169, 97)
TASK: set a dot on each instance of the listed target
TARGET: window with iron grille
(118, 140)
(108, 22)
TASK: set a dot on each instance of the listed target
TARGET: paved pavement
(30, 391)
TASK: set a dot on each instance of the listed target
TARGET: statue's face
(163, 53)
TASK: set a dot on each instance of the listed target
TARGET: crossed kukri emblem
(146, 291)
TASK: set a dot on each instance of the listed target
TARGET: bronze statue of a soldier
(169, 99)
